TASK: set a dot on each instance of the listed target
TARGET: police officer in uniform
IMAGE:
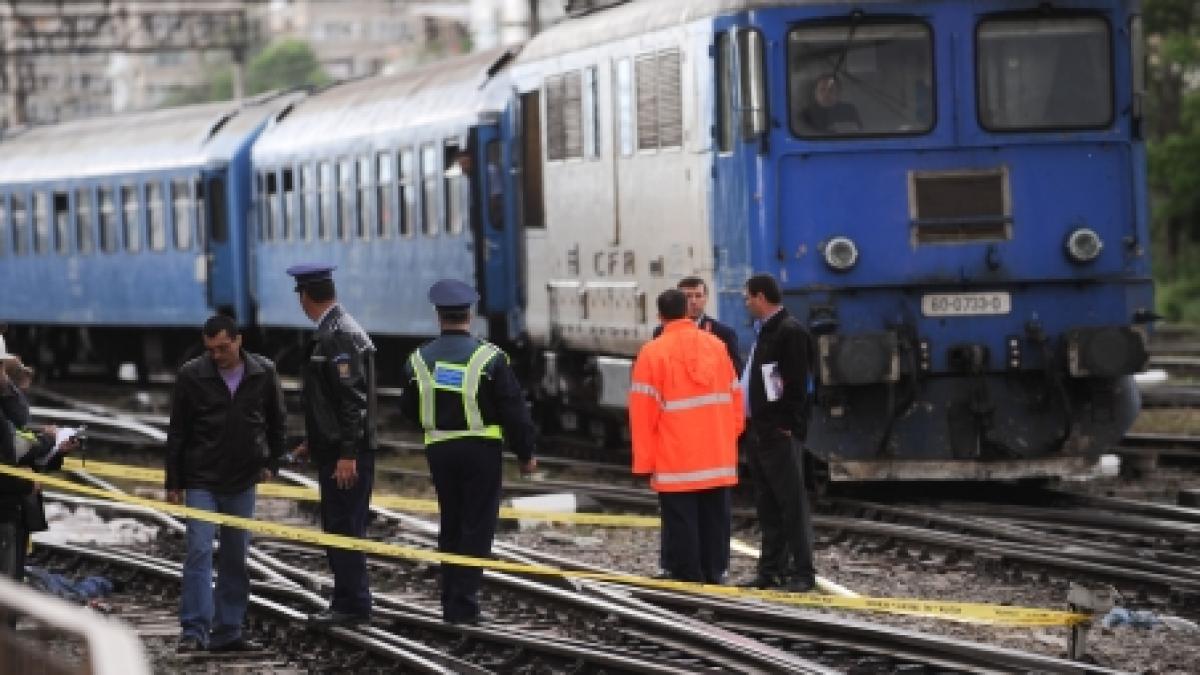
(463, 393)
(339, 423)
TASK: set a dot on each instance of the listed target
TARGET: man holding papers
(775, 382)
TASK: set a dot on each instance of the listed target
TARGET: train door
(218, 248)
(496, 234)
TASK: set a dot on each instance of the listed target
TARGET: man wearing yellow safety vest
(685, 413)
(463, 393)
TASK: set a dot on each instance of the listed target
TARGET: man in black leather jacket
(226, 435)
(339, 424)
(776, 386)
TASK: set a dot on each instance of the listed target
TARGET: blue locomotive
(951, 192)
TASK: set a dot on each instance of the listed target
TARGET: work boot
(762, 582)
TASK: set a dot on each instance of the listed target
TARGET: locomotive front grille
(959, 207)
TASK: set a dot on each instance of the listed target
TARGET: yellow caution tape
(142, 474)
(958, 611)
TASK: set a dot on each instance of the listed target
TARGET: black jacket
(500, 398)
(220, 442)
(726, 334)
(782, 341)
(339, 389)
(14, 414)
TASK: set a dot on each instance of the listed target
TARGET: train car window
(408, 193)
(312, 202)
(3, 221)
(646, 73)
(260, 200)
(495, 185)
(345, 197)
(41, 222)
(61, 202)
(431, 170)
(624, 103)
(271, 206)
(129, 209)
(850, 79)
(181, 214)
(1044, 72)
(20, 225)
(456, 188)
(362, 203)
(385, 214)
(591, 113)
(328, 203)
(218, 226)
(108, 221)
(289, 223)
(201, 209)
(724, 93)
(154, 214)
(84, 232)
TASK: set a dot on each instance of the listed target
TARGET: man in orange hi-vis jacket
(685, 412)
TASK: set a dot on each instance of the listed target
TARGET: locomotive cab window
(1044, 73)
(855, 79)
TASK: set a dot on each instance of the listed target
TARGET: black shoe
(189, 644)
(800, 585)
(762, 582)
(334, 618)
(238, 645)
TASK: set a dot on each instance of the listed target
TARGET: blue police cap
(307, 273)
(452, 293)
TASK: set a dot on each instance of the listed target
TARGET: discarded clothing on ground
(66, 588)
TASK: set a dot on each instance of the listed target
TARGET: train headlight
(840, 253)
(1084, 245)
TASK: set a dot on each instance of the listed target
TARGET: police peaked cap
(452, 294)
(310, 273)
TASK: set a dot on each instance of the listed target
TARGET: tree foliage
(282, 65)
(1173, 127)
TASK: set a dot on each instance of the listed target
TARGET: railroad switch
(1095, 600)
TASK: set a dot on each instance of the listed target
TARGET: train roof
(643, 16)
(187, 136)
(449, 91)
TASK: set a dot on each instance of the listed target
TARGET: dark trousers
(14, 539)
(777, 465)
(695, 534)
(466, 475)
(346, 512)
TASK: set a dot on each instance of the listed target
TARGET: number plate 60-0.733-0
(966, 304)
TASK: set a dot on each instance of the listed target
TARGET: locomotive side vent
(959, 207)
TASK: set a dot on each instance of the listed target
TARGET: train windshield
(857, 79)
(1044, 73)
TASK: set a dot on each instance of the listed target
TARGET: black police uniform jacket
(339, 389)
(221, 442)
(500, 398)
(784, 342)
(723, 332)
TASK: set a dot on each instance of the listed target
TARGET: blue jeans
(215, 618)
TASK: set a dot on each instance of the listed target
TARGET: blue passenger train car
(397, 181)
(118, 224)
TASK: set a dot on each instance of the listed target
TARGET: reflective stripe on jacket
(458, 378)
(685, 411)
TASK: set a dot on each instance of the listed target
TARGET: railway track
(565, 627)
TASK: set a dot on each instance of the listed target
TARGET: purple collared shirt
(233, 377)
